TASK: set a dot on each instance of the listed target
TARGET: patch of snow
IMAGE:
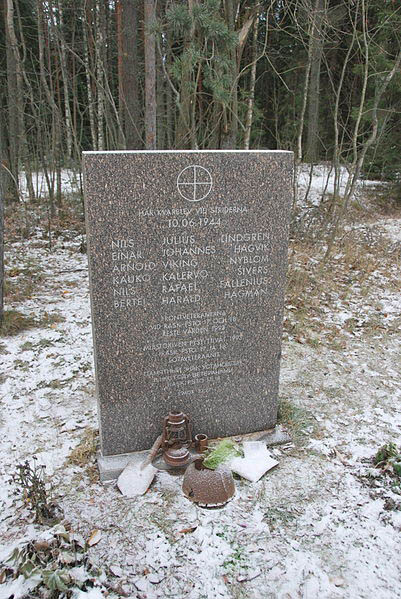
(70, 183)
(322, 181)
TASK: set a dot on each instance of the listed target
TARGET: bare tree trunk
(49, 93)
(120, 72)
(301, 118)
(185, 137)
(2, 178)
(336, 114)
(230, 113)
(314, 80)
(170, 132)
(18, 100)
(64, 73)
(21, 79)
(128, 73)
(161, 122)
(100, 72)
(150, 75)
(13, 120)
(86, 23)
(230, 117)
(251, 99)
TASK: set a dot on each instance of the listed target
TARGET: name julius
(184, 246)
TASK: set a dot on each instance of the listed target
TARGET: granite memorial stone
(187, 263)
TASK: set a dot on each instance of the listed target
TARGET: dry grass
(355, 257)
(84, 453)
(22, 218)
(15, 322)
(361, 256)
(22, 283)
(50, 320)
(299, 422)
(386, 199)
(23, 280)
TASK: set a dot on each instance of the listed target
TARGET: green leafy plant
(388, 459)
(385, 453)
(54, 564)
(225, 450)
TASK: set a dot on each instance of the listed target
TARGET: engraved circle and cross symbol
(194, 183)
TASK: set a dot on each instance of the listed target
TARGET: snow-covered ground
(316, 181)
(316, 527)
(70, 183)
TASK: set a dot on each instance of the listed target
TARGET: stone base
(273, 436)
(111, 466)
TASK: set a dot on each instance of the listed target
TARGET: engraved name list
(187, 268)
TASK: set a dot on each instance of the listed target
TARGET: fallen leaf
(340, 457)
(3, 576)
(94, 538)
(41, 545)
(186, 530)
(78, 539)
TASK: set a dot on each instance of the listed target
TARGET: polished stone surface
(187, 258)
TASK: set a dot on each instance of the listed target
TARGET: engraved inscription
(130, 271)
(187, 254)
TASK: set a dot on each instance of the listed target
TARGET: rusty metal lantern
(176, 438)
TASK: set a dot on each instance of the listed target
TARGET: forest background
(319, 77)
